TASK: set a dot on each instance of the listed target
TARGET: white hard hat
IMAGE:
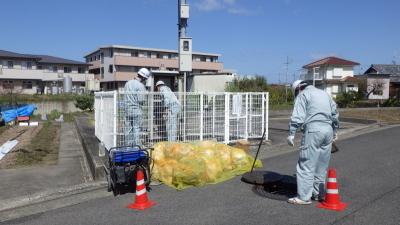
(145, 73)
(295, 85)
(160, 82)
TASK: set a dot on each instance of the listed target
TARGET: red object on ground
(23, 118)
(141, 200)
(332, 198)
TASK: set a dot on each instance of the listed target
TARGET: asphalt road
(368, 170)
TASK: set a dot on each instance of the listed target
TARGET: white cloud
(230, 6)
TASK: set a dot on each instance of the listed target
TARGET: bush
(85, 102)
(54, 114)
(347, 99)
(391, 102)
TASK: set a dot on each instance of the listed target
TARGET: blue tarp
(12, 114)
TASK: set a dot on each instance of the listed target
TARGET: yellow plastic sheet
(182, 165)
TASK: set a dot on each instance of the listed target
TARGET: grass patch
(43, 147)
(383, 115)
(283, 106)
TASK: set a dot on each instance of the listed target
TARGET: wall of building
(19, 86)
(209, 83)
(338, 72)
(371, 82)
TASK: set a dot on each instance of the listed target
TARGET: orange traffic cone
(141, 200)
(332, 198)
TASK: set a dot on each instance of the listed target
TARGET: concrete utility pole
(185, 43)
(185, 53)
(286, 77)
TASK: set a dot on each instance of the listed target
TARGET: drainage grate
(281, 190)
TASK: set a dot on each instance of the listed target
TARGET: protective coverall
(134, 99)
(316, 115)
(173, 107)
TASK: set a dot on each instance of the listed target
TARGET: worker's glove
(290, 140)
(335, 136)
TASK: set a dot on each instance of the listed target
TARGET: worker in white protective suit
(134, 99)
(316, 115)
(172, 108)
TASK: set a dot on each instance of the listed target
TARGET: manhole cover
(261, 177)
(281, 190)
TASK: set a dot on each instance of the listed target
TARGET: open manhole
(281, 190)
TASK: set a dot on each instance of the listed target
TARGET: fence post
(115, 104)
(266, 115)
(246, 134)
(213, 116)
(201, 115)
(262, 113)
(227, 98)
(101, 117)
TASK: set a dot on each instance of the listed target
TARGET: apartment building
(114, 65)
(40, 74)
(332, 74)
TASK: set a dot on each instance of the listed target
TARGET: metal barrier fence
(225, 117)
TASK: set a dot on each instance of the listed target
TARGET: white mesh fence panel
(125, 119)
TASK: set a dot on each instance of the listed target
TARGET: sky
(254, 37)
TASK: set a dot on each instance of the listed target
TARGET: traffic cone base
(141, 206)
(337, 207)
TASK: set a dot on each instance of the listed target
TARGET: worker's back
(134, 94)
(319, 106)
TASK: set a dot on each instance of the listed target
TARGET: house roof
(40, 58)
(147, 49)
(331, 61)
(384, 69)
(8, 54)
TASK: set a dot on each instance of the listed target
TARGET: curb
(28, 205)
(90, 145)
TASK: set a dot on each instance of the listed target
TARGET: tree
(256, 84)
(85, 102)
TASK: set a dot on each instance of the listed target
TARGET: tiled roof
(7, 54)
(40, 58)
(388, 69)
(331, 61)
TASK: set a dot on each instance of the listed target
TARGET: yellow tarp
(182, 165)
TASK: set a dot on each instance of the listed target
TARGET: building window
(158, 56)
(81, 70)
(135, 54)
(377, 92)
(110, 68)
(10, 64)
(27, 84)
(185, 45)
(67, 69)
(29, 65)
(102, 70)
(8, 84)
(54, 69)
(39, 67)
(102, 57)
(111, 53)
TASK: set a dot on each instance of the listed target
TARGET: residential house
(389, 74)
(38, 74)
(332, 74)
